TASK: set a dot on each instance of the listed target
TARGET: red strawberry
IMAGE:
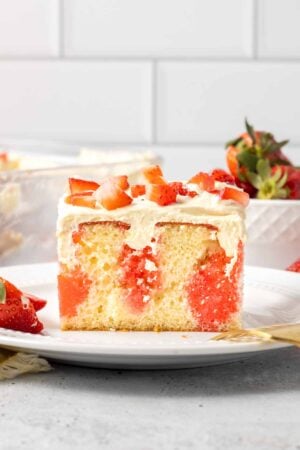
(235, 195)
(120, 180)
(36, 302)
(244, 152)
(137, 190)
(295, 267)
(111, 196)
(18, 310)
(161, 194)
(83, 199)
(292, 182)
(247, 187)
(222, 176)
(204, 180)
(77, 186)
(154, 175)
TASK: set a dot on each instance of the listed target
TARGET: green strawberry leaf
(263, 169)
(247, 159)
(280, 162)
(282, 181)
(233, 142)
(254, 179)
(275, 146)
(277, 174)
(2, 292)
(250, 131)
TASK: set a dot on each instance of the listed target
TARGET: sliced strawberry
(154, 175)
(18, 310)
(234, 194)
(204, 180)
(163, 195)
(84, 199)
(295, 267)
(222, 176)
(137, 190)
(111, 196)
(78, 186)
(37, 303)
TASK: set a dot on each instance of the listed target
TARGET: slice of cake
(155, 256)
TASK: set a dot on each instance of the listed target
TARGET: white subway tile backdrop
(177, 74)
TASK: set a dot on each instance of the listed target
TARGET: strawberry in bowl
(259, 165)
(18, 309)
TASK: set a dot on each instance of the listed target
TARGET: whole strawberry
(250, 159)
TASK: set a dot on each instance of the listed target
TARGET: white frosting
(142, 216)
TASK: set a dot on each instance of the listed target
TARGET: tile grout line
(145, 59)
(61, 20)
(154, 102)
(255, 29)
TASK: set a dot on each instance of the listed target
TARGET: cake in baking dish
(155, 256)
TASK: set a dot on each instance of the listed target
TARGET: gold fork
(289, 332)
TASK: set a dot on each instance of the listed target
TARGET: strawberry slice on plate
(18, 310)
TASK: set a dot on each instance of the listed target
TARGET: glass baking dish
(29, 197)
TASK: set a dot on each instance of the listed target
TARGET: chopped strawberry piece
(111, 196)
(137, 190)
(295, 267)
(204, 180)
(154, 175)
(18, 310)
(163, 195)
(222, 176)
(77, 186)
(179, 188)
(120, 180)
(84, 199)
(235, 195)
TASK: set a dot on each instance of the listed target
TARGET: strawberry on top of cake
(154, 256)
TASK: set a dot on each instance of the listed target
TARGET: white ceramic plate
(271, 296)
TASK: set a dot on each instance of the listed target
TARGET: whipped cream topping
(142, 216)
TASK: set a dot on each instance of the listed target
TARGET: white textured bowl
(273, 232)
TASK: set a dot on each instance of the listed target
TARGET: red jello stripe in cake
(214, 297)
(73, 289)
(139, 276)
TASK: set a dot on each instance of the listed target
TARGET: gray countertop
(252, 404)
